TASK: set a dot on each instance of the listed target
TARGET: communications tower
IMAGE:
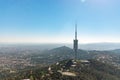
(75, 45)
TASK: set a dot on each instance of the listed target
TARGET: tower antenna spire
(76, 30)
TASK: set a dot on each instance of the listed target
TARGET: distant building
(75, 45)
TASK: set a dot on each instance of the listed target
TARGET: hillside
(71, 70)
(63, 53)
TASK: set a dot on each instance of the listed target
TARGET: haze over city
(53, 21)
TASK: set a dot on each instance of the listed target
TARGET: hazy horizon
(44, 46)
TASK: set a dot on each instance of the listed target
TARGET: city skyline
(52, 21)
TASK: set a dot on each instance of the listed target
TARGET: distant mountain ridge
(100, 46)
(64, 53)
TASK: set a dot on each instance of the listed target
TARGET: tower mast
(75, 46)
(75, 31)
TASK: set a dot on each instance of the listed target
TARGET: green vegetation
(95, 70)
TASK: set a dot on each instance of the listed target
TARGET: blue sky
(52, 21)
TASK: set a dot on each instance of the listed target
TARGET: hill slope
(71, 70)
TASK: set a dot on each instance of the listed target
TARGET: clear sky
(52, 21)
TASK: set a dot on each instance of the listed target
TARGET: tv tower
(75, 45)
